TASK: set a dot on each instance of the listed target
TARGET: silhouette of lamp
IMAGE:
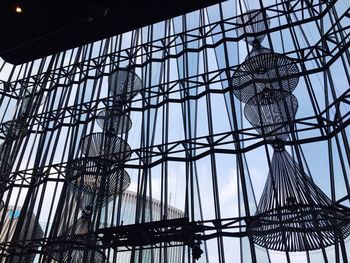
(253, 23)
(264, 70)
(29, 99)
(5, 170)
(14, 129)
(88, 175)
(124, 85)
(270, 111)
(114, 121)
(75, 246)
(293, 213)
(105, 145)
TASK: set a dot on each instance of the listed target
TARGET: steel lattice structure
(198, 112)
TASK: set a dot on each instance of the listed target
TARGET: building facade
(9, 226)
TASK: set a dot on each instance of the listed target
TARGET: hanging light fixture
(264, 70)
(253, 24)
(75, 245)
(293, 213)
(270, 111)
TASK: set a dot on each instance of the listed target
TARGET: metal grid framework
(176, 132)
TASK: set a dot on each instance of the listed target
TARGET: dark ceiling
(46, 27)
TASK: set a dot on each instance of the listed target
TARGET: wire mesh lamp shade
(270, 111)
(29, 100)
(76, 253)
(105, 145)
(114, 121)
(253, 23)
(74, 247)
(86, 199)
(89, 176)
(266, 70)
(5, 170)
(14, 130)
(293, 213)
(124, 85)
(255, 51)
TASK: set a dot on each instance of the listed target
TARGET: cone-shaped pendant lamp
(76, 249)
(293, 213)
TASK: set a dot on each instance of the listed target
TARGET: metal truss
(331, 50)
(186, 68)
